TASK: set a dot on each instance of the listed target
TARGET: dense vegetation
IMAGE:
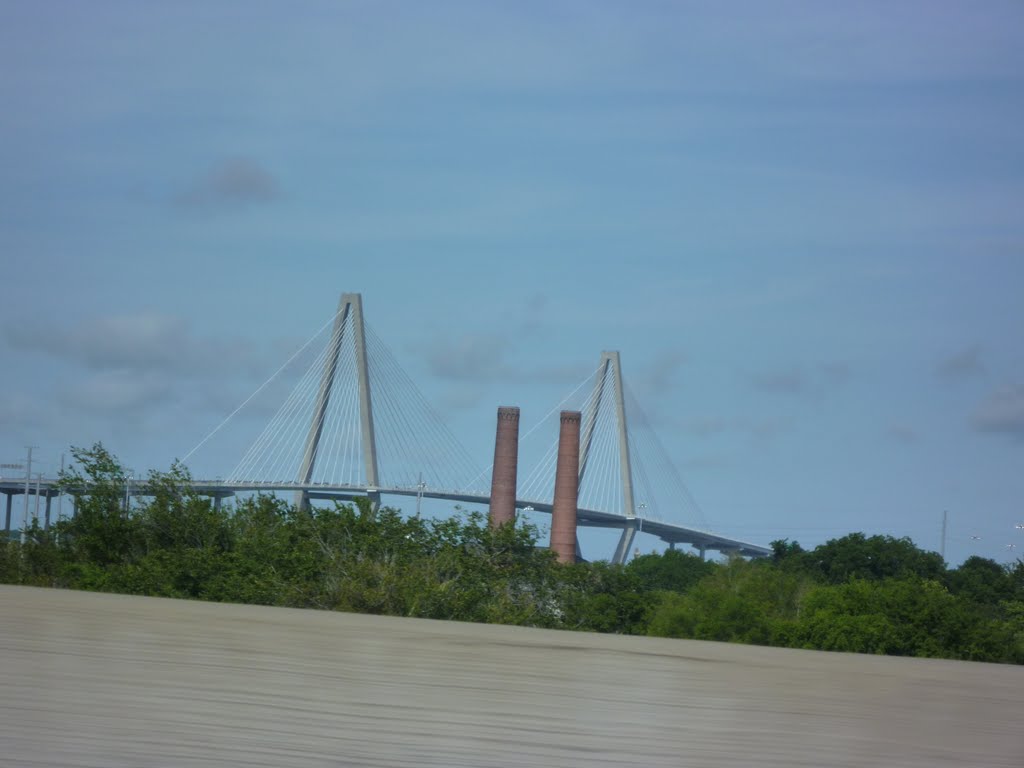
(865, 594)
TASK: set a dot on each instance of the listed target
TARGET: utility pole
(945, 516)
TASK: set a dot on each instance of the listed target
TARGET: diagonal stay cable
(541, 422)
(259, 389)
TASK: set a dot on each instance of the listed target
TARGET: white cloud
(473, 356)
(486, 357)
(117, 391)
(141, 341)
(659, 377)
(1002, 411)
(797, 381)
(231, 183)
(967, 362)
(902, 433)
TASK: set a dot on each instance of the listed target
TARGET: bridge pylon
(610, 367)
(349, 315)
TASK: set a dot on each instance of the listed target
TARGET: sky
(799, 222)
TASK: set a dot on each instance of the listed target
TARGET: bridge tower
(350, 315)
(611, 367)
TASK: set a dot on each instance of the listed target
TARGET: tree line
(858, 593)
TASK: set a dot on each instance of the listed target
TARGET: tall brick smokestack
(506, 461)
(567, 476)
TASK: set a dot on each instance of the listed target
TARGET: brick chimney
(503, 474)
(567, 475)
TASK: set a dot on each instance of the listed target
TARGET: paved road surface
(109, 680)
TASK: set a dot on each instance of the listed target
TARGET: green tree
(672, 570)
(102, 532)
(742, 601)
(866, 594)
(983, 581)
(788, 554)
(601, 597)
(857, 556)
(36, 562)
(905, 617)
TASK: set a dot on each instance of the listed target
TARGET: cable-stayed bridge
(355, 425)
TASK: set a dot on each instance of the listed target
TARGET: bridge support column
(46, 519)
(7, 517)
(625, 542)
(611, 364)
(703, 552)
(39, 481)
(349, 306)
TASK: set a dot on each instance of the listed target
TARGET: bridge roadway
(670, 533)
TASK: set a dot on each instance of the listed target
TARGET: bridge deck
(588, 518)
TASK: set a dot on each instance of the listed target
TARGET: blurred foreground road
(108, 680)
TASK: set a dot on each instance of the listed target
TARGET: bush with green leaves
(857, 593)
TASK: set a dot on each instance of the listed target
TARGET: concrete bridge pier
(629, 531)
(7, 517)
(218, 498)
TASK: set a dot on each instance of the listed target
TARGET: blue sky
(800, 223)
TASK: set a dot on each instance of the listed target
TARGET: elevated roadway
(668, 532)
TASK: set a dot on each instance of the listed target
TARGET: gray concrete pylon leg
(612, 361)
(625, 542)
(365, 399)
(323, 399)
(592, 409)
(7, 518)
(625, 462)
